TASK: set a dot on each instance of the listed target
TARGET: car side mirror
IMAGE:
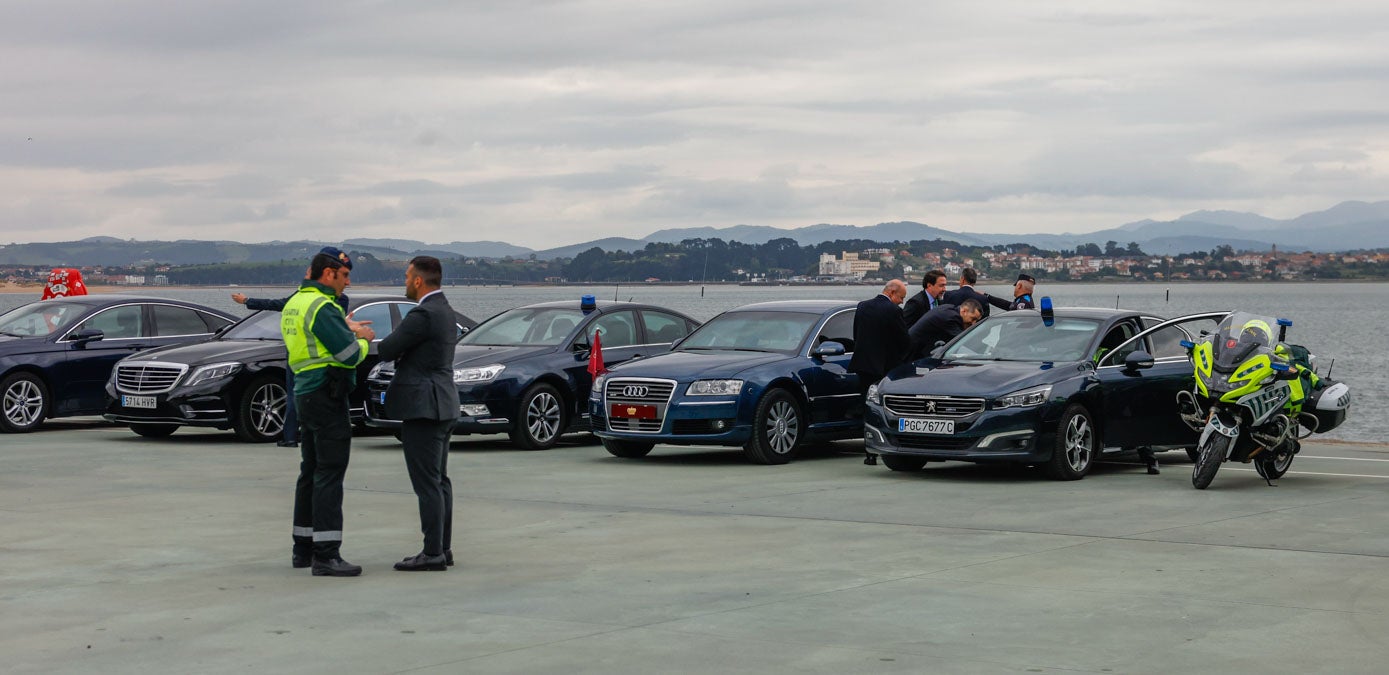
(828, 348)
(581, 347)
(82, 337)
(1139, 360)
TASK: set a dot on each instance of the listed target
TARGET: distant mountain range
(1346, 226)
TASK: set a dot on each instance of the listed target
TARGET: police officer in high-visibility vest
(324, 350)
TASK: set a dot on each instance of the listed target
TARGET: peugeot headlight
(481, 374)
(714, 388)
(1024, 399)
(597, 391)
(375, 370)
(215, 371)
(874, 396)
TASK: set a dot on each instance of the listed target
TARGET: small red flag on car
(595, 357)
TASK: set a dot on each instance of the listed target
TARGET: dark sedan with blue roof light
(524, 372)
(1057, 392)
(767, 377)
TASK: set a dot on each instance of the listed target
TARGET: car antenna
(1328, 368)
(705, 274)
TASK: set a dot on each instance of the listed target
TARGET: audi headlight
(597, 391)
(714, 388)
(1024, 399)
(482, 374)
(215, 371)
(874, 396)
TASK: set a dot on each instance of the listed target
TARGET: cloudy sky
(551, 123)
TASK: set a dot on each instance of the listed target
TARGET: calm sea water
(1343, 324)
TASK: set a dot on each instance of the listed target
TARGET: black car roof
(104, 299)
(602, 304)
(816, 306)
(1100, 313)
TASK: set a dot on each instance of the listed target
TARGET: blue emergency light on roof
(1048, 315)
(588, 303)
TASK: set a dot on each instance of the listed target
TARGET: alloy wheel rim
(782, 427)
(23, 403)
(268, 410)
(1079, 439)
(542, 417)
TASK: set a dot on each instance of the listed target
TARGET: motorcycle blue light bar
(1280, 367)
(1048, 314)
(1187, 343)
(1285, 322)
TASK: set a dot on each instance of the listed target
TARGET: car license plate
(139, 402)
(641, 412)
(914, 425)
(383, 398)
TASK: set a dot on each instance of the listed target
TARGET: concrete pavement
(125, 554)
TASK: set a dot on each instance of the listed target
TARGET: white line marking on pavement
(1348, 459)
(1318, 473)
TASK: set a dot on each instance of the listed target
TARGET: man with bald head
(880, 336)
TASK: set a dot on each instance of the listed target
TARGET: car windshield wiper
(5, 332)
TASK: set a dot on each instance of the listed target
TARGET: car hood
(215, 351)
(973, 378)
(482, 355)
(691, 365)
(9, 343)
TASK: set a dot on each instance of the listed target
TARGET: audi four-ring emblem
(635, 391)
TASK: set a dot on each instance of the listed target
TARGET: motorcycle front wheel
(1211, 454)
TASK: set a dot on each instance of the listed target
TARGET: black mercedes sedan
(524, 372)
(235, 380)
(55, 355)
(1054, 391)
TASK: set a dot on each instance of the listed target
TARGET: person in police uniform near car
(324, 351)
(423, 396)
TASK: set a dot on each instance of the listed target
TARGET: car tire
(1077, 445)
(23, 403)
(153, 430)
(540, 418)
(778, 428)
(628, 449)
(904, 463)
(260, 412)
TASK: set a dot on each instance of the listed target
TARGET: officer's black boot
(1149, 458)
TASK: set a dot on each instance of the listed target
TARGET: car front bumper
(1019, 435)
(686, 422)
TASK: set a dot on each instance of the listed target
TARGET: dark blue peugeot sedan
(766, 377)
(1056, 392)
(56, 355)
(524, 372)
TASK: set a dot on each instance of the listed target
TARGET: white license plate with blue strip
(917, 425)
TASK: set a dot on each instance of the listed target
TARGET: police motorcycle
(1254, 397)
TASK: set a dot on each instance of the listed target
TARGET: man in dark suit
(880, 339)
(932, 287)
(880, 335)
(423, 396)
(941, 325)
(968, 277)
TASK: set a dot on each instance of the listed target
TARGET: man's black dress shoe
(448, 555)
(423, 563)
(335, 567)
(287, 444)
(300, 561)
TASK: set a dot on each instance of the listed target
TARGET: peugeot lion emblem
(635, 391)
(931, 407)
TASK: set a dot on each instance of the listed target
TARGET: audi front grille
(933, 406)
(148, 377)
(636, 391)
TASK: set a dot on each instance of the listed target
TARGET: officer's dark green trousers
(325, 438)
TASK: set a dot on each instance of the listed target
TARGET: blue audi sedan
(767, 377)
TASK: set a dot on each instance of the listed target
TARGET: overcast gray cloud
(552, 122)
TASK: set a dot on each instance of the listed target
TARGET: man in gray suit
(423, 396)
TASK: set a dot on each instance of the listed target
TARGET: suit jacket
(941, 323)
(422, 347)
(880, 339)
(959, 295)
(916, 307)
